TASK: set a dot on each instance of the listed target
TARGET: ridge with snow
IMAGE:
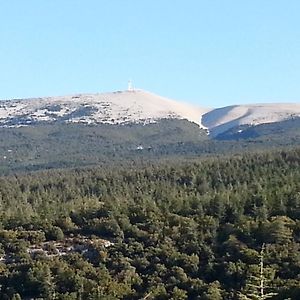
(222, 119)
(138, 106)
(108, 108)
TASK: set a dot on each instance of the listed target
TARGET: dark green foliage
(70, 145)
(279, 132)
(179, 230)
(52, 146)
(54, 233)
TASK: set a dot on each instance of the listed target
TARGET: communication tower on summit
(130, 86)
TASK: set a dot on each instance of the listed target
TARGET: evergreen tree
(257, 288)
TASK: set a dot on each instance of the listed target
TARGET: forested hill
(85, 130)
(190, 230)
(76, 145)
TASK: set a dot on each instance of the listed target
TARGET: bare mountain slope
(111, 108)
(221, 119)
(137, 106)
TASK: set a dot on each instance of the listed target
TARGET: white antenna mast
(130, 86)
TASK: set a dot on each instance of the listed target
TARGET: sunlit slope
(222, 119)
(108, 108)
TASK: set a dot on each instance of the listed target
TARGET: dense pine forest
(52, 146)
(204, 229)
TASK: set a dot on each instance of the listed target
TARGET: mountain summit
(138, 106)
(119, 107)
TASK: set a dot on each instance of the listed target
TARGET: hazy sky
(209, 52)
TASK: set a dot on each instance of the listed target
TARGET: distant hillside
(222, 119)
(137, 106)
(285, 130)
(76, 145)
(120, 107)
(112, 128)
(48, 146)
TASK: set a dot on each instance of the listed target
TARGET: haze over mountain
(138, 106)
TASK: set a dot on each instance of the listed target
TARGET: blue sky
(209, 52)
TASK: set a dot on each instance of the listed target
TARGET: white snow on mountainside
(112, 108)
(221, 119)
(140, 107)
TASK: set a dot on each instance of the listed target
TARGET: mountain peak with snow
(111, 108)
(138, 106)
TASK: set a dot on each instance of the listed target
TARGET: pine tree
(256, 289)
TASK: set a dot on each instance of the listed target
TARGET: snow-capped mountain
(138, 106)
(222, 119)
(112, 108)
